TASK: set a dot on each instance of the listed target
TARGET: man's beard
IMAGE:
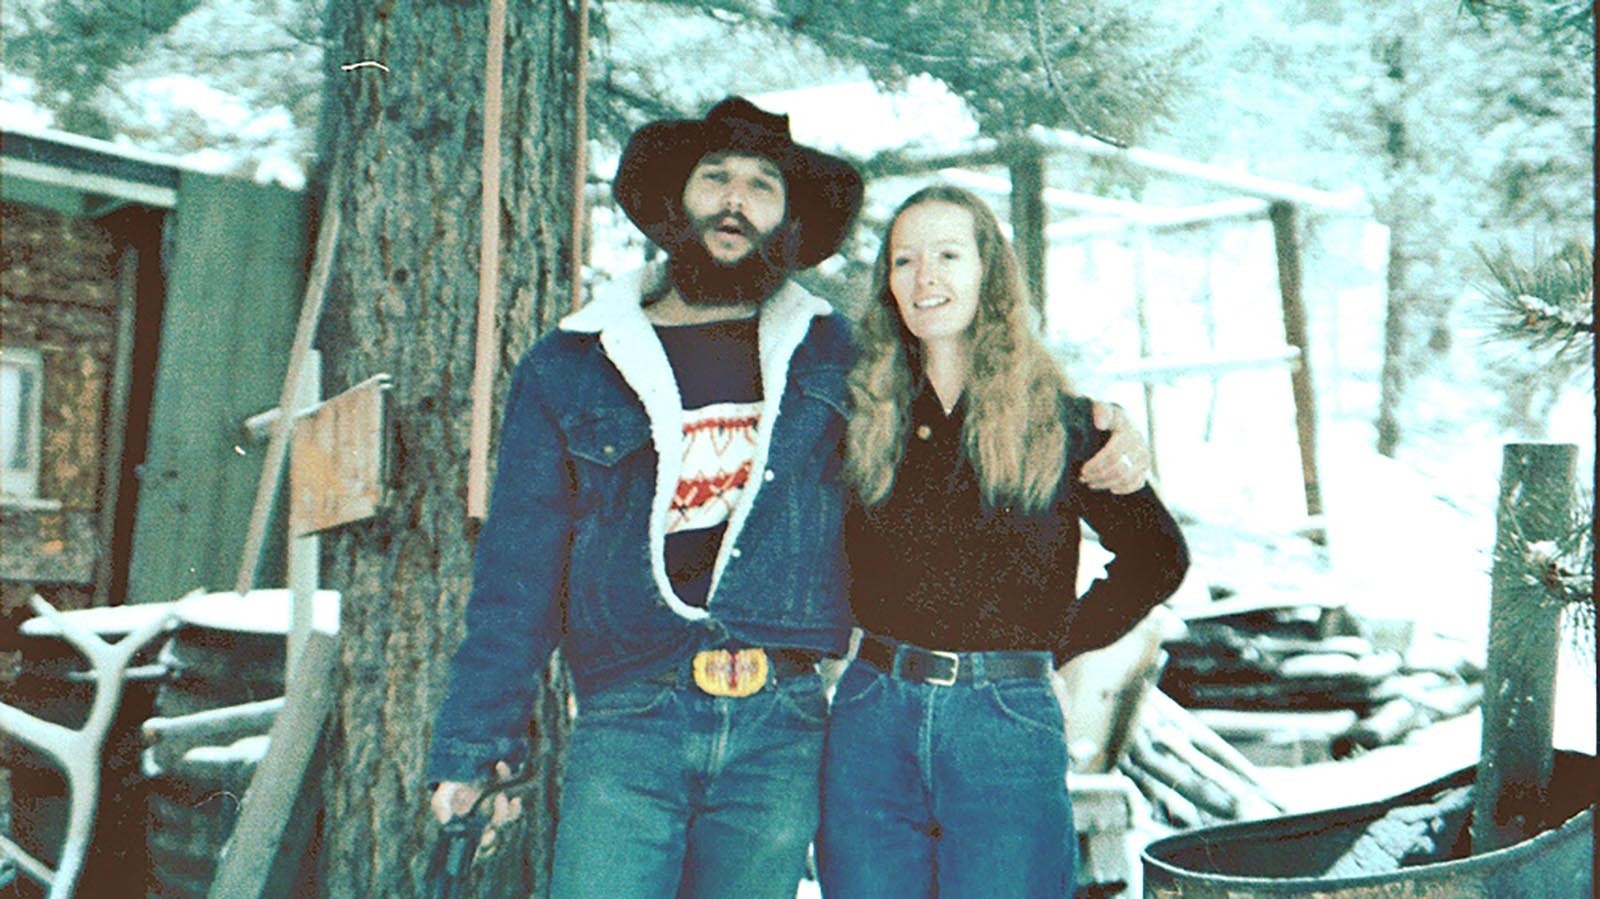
(703, 281)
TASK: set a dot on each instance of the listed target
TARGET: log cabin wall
(59, 296)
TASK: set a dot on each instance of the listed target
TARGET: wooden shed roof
(82, 176)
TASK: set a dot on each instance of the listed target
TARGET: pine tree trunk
(1416, 322)
(1392, 376)
(1395, 208)
(406, 144)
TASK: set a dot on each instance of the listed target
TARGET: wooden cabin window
(21, 385)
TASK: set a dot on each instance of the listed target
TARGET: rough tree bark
(405, 141)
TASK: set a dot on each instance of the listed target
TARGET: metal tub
(1294, 855)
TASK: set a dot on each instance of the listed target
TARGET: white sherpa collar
(630, 342)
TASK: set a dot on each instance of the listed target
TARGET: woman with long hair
(946, 761)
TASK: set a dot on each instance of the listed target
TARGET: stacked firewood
(1261, 671)
(1190, 775)
(1304, 657)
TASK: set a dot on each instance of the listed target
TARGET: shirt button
(768, 475)
(735, 553)
(608, 449)
(924, 432)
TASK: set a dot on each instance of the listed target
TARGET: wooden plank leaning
(275, 819)
(283, 425)
(486, 351)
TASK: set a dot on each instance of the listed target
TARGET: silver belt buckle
(955, 668)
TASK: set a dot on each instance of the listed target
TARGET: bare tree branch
(1055, 88)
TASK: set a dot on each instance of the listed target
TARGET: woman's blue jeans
(671, 792)
(952, 791)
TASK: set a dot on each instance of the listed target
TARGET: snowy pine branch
(1562, 570)
(1564, 24)
(1548, 303)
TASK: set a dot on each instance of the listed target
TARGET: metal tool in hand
(459, 838)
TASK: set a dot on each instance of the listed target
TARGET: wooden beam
(213, 726)
(984, 152)
(115, 438)
(1141, 308)
(169, 739)
(487, 350)
(989, 152)
(1159, 219)
(1029, 219)
(303, 556)
(269, 839)
(1108, 215)
(1234, 180)
(259, 426)
(1286, 240)
(88, 183)
(1053, 197)
(580, 147)
(1165, 368)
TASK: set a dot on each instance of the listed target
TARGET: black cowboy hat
(824, 191)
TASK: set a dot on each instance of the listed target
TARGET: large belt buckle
(731, 672)
(955, 669)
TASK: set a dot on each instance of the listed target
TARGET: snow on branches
(1548, 303)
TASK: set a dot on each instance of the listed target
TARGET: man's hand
(1123, 463)
(453, 799)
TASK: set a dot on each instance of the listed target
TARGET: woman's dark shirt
(931, 566)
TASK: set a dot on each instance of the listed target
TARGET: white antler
(77, 752)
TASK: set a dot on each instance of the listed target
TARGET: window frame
(19, 484)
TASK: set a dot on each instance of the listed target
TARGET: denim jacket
(573, 550)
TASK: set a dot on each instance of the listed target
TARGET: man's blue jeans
(952, 791)
(671, 792)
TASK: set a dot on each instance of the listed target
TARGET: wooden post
(303, 573)
(1141, 305)
(1287, 242)
(1028, 220)
(115, 439)
(1536, 490)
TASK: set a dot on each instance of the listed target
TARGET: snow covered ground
(1397, 552)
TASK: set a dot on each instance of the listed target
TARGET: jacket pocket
(629, 700)
(827, 386)
(604, 436)
(1031, 703)
(605, 448)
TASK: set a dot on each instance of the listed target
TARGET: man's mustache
(716, 222)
